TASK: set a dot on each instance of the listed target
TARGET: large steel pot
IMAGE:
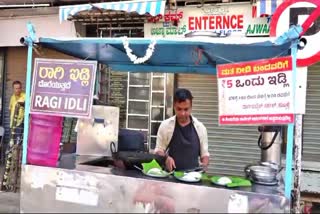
(261, 174)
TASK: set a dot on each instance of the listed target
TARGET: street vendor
(182, 138)
(17, 96)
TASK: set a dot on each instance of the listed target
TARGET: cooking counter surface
(76, 163)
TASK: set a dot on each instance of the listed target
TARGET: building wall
(16, 66)
(12, 29)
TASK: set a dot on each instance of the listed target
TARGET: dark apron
(184, 147)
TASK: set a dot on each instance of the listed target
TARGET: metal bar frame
(288, 172)
(29, 42)
(297, 141)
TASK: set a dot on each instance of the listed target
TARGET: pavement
(9, 201)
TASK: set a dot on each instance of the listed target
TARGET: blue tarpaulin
(186, 55)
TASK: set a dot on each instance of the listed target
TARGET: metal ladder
(130, 100)
(156, 119)
(155, 104)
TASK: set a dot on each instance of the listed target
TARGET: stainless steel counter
(255, 188)
(82, 188)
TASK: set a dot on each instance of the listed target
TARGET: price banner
(63, 87)
(256, 92)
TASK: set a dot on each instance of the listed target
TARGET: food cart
(81, 184)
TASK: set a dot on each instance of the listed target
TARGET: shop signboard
(224, 19)
(258, 27)
(259, 92)
(63, 87)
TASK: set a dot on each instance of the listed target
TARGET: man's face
(183, 110)
(17, 89)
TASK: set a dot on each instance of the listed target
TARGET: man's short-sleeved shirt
(166, 130)
(13, 101)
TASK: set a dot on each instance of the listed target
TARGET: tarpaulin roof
(152, 7)
(187, 55)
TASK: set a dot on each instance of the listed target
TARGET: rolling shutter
(231, 147)
(311, 122)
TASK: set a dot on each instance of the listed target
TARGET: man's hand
(170, 164)
(204, 162)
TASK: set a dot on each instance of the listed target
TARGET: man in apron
(182, 138)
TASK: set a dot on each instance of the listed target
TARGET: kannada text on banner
(63, 87)
(256, 92)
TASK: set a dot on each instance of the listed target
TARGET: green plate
(151, 165)
(163, 175)
(179, 175)
(236, 181)
(205, 177)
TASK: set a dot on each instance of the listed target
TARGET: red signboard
(290, 12)
(63, 87)
(169, 16)
(215, 22)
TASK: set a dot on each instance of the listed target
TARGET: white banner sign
(257, 92)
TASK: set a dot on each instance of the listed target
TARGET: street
(9, 201)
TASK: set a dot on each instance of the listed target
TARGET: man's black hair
(182, 95)
(17, 82)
